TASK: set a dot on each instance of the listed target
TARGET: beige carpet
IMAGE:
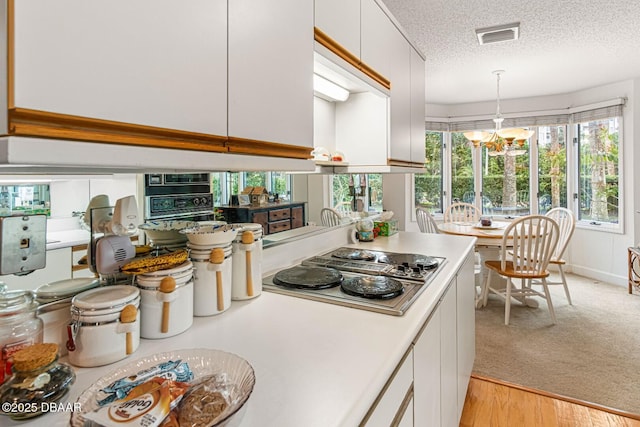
(591, 354)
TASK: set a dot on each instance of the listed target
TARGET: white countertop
(67, 238)
(316, 364)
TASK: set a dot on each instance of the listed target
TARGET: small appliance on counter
(111, 228)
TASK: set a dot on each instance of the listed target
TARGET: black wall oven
(176, 183)
(178, 196)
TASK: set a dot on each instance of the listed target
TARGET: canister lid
(204, 255)
(14, 302)
(65, 288)
(187, 265)
(152, 282)
(105, 297)
(248, 226)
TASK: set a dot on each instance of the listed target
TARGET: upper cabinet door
(158, 63)
(400, 76)
(385, 49)
(378, 38)
(271, 71)
(417, 107)
(340, 20)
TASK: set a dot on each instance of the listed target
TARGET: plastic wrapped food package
(147, 404)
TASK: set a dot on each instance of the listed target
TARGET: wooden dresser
(274, 217)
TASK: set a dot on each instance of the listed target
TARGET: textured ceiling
(564, 46)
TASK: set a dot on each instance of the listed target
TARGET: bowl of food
(219, 385)
(163, 231)
(211, 235)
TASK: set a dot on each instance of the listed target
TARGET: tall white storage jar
(247, 262)
(97, 335)
(212, 279)
(176, 305)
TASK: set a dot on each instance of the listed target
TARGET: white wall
(71, 194)
(595, 254)
(324, 124)
(636, 161)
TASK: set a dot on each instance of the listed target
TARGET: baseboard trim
(557, 396)
(598, 275)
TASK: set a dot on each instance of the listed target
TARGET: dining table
(489, 241)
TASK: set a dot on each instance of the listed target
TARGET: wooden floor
(491, 403)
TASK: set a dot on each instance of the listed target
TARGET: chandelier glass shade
(500, 141)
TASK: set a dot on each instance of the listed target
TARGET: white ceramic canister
(177, 305)
(242, 287)
(54, 307)
(209, 298)
(96, 335)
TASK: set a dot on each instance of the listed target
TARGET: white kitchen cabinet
(271, 71)
(426, 372)
(56, 268)
(444, 352)
(394, 402)
(466, 327)
(378, 38)
(386, 50)
(340, 20)
(448, 359)
(417, 95)
(407, 419)
(400, 120)
(150, 62)
(79, 270)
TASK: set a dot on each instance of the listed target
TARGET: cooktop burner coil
(303, 277)
(354, 254)
(423, 261)
(373, 287)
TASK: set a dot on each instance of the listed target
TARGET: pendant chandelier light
(500, 141)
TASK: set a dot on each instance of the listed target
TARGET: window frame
(572, 162)
(609, 227)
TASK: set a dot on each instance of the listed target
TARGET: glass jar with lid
(19, 326)
(38, 381)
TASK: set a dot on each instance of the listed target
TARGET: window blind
(437, 126)
(586, 115)
(597, 114)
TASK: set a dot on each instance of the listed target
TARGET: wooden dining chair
(426, 222)
(533, 240)
(567, 223)
(462, 212)
(329, 217)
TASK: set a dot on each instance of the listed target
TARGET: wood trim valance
(34, 123)
(42, 124)
(264, 148)
(404, 163)
(352, 59)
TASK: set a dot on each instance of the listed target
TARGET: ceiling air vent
(499, 33)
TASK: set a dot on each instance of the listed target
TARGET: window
(505, 181)
(25, 199)
(539, 175)
(428, 185)
(225, 184)
(355, 192)
(462, 171)
(552, 168)
(598, 187)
